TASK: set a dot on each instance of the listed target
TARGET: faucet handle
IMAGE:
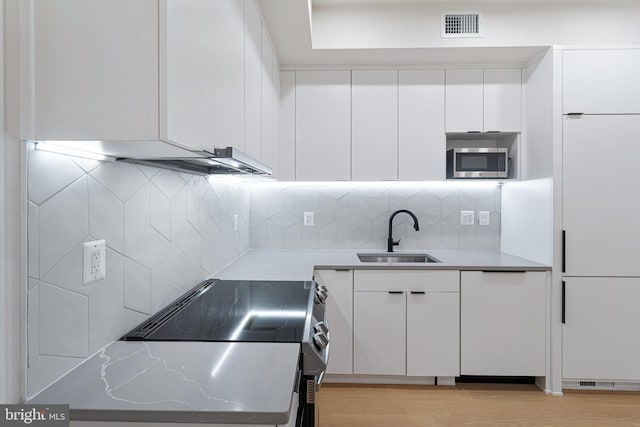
(396, 242)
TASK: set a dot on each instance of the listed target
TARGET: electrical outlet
(94, 264)
(467, 217)
(484, 217)
(235, 222)
(308, 219)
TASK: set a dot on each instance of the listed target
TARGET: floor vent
(600, 385)
(461, 24)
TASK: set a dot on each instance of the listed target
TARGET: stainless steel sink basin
(397, 257)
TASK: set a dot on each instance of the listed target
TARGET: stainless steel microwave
(478, 163)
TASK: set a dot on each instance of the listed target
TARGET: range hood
(226, 161)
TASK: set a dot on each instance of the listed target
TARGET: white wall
(11, 259)
(505, 24)
(526, 219)
(527, 205)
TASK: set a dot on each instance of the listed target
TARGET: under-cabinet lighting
(388, 185)
(59, 149)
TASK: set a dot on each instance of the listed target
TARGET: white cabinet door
(433, 334)
(601, 81)
(374, 143)
(323, 125)
(96, 69)
(268, 92)
(253, 80)
(287, 126)
(379, 345)
(339, 312)
(600, 334)
(502, 323)
(229, 73)
(187, 72)
(600, 195)
(464, 100)
(421, 136)
(502, 100)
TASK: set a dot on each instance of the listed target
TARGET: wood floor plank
(473, 405)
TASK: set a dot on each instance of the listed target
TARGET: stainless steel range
(252, 311)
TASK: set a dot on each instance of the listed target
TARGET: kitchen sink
(397, 257)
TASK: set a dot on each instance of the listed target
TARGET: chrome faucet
(390, 242)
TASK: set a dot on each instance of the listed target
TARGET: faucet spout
(390, 242)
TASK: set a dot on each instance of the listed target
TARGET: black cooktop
(233, 310)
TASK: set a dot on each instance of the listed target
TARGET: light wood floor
(472, 405)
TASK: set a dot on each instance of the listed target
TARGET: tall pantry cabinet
(601, 237)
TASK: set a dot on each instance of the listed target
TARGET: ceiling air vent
(461, 24)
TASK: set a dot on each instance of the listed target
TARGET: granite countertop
(186, 382)
(298, 264)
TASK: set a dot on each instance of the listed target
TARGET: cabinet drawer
(406, 280)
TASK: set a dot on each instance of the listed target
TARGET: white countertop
(187, 382)
(298, 264)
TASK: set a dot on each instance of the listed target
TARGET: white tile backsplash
(63, 322)
(63, 222)
(355, 215)
(163, 236)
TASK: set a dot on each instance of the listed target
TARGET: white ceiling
(289, 24)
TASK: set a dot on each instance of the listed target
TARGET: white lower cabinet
(406, 322)
(379, 346)
(600, 333)
(502, 323)
(433, 334)
(339, 314)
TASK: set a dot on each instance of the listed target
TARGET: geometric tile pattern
(165, 231)
(356, 215)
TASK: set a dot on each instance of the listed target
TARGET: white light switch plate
(308, 219)
(484, 217)
(235, 222)
(94, 264)
(467, 217)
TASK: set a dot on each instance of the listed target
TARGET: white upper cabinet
(323, 125)
(96, 69)
(487, 100)
(464, 101)
(187, 73)
(374, 125)
(502, 100)
(421, 135)
(267, 90)
(253, 80)
(229, 73)
(601, 81)
(287, 126)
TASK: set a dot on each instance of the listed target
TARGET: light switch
(308, 219)
(484, 217)
(235, 222)
(467, 217)
(93, 261)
